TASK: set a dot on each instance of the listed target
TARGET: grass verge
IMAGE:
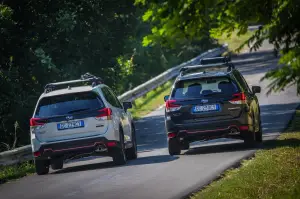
(151, 101)
(274, 172)
(15, 171)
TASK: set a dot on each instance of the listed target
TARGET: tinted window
(67, 104)
(119, 105)
(198, 88)
(109, 97)
(242, 81)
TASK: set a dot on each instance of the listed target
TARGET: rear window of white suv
(68, 104)
(203, 87)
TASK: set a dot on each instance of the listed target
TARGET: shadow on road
(254, 63)
(268, 144)
(221, 148)
(105, 165)
(271, 144)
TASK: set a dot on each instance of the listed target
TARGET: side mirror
(166, 97)
(127, 105)
(256, 89)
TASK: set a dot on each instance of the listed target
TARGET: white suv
(71, 122)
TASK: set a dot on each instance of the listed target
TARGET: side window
(243, 82)
(119, 105)
(109, 97)
(246, 84)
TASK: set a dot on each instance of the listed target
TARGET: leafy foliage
(182, 20)
(44, 41)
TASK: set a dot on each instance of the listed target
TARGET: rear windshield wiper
(79, 110)
(211, 94)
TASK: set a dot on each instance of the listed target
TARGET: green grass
(15, 171)
(274, 172)
(151, 101)
(235, 41)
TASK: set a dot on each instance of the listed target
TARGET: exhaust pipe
(100, 148)
(234, 131)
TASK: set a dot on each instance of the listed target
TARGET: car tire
(57, 163)
(174, 146)
(249, 138)
(41, 166)
(119, 156)
(131, 153)
(185, 146)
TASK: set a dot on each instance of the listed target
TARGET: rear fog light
(37, 154)
(244, 128)
(111, 144)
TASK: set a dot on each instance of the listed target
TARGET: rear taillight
(36, 122)
(238, 98)
(104, 114)
(172, 106)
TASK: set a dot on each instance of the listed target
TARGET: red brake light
(36, 122)
(171, 106)
(105, 114)
(238, 98)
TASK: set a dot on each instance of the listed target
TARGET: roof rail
(85, 78)
(214, 65)
(215, 60)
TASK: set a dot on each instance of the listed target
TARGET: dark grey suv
(211, 103)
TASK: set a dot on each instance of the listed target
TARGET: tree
(178, 20)
(44, 41)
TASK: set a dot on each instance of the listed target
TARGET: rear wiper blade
(211, 94)
(79, 110)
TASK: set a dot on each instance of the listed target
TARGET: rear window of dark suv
(68, 104)
(204, 87)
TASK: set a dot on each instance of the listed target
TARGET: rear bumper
(208, 130)
(99, 146)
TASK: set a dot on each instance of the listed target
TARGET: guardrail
(24, 153)
(167, 75)
(15, 156)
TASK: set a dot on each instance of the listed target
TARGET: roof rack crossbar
(210, 63)
(86, 78)
(229, 67)
(215, 60)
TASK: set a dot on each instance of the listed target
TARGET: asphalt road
(155, 174)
